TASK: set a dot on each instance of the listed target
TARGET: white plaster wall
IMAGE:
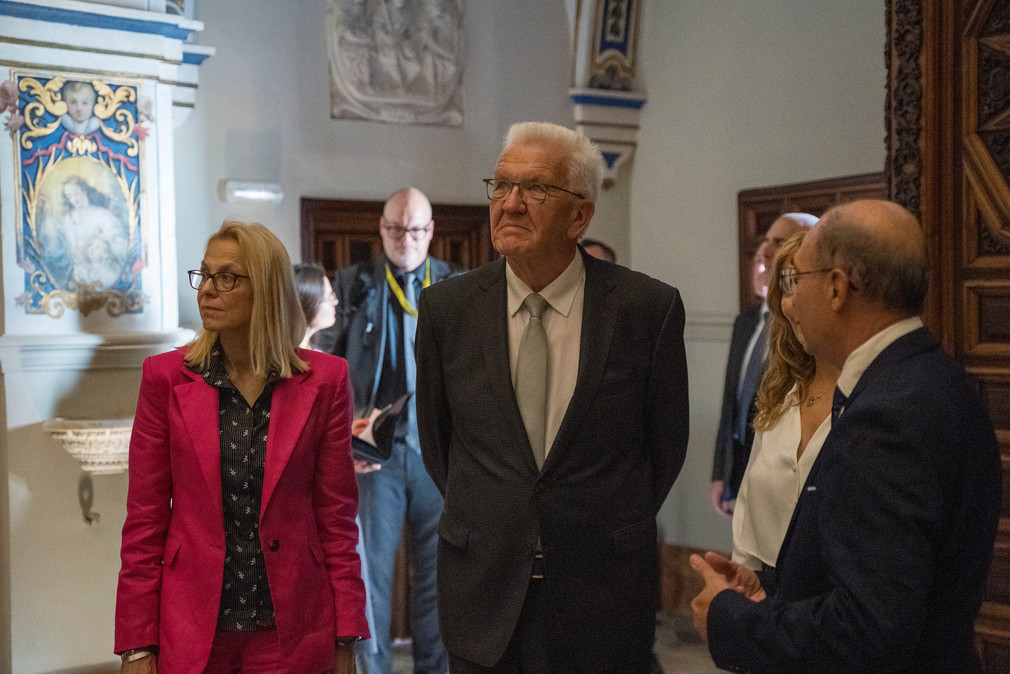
(63, 571)
(742, 94)
(263, 114)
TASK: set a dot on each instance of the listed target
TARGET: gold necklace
(811, 399)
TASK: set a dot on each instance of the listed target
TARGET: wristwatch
(346, 641)
(136, 654)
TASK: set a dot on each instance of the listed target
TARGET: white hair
(583, 160)
(803, 219)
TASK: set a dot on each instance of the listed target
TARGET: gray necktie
(531, 377)
(409, 366)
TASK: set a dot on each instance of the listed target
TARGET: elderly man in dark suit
(884, 563)
(552, 407)
(747, 352)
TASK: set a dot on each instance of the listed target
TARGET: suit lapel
(289, 410)
(902, 348)
(598, 320)
(198, 402)
(491, 308)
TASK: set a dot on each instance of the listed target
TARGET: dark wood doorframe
(340, 232)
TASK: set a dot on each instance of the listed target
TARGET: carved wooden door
(948, 118)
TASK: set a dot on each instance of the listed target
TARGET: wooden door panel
(948, 117)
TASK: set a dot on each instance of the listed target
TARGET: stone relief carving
(396, 61)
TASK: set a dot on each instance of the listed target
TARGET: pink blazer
(173, 538)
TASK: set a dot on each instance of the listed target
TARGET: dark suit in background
(734, 439)
(910, 472)
(593, 505)
(732, 452)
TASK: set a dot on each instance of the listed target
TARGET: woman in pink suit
(238, 548)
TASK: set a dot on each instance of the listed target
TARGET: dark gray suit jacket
(619, 449)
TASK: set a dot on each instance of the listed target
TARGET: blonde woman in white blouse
(794, 417)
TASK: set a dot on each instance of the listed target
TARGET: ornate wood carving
(949, 161)
(903, 105)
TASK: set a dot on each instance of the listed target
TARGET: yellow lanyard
(398, 291)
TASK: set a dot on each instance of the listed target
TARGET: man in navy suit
(883, 566)
(547, 552)
(746, 355)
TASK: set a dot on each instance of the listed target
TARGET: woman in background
(317, 299)
(793, 419)
(238, 547)
(320, 302)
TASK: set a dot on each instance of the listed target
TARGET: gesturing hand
(720, 574)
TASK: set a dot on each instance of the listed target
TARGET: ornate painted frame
(80, 174)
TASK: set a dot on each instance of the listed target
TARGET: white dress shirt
(771, 486)
(860, 359)
(563, 325)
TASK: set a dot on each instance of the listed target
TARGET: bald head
(406, 228)
(882, 247)
(407, 197)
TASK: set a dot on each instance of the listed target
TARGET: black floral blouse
(245, 594)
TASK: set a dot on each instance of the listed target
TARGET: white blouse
(771, 486)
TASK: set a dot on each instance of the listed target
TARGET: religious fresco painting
(396, 61)
(79, 150)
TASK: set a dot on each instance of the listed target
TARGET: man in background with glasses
(375, 333)
(552, 408)
(747, 351)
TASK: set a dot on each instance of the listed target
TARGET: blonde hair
(788, 364)
(277, 325)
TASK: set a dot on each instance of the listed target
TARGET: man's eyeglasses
(789, 277)
(398, 232)
(223, 281)
(499, 189)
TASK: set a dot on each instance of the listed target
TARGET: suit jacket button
(540, 489)
(275, 545)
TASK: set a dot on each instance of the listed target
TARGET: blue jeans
(402, 489)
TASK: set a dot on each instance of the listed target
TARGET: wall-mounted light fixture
(238, 190)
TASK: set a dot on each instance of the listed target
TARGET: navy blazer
(884, 564)
(360, 333)
(731, 458)
(618, 451)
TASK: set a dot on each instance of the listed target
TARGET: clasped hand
(720, 574)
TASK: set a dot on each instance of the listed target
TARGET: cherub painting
(80, 99)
